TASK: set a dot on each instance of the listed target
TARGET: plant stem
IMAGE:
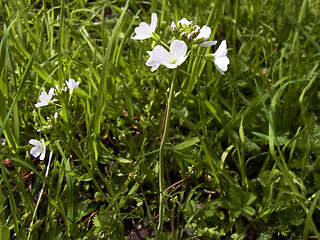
(39, 198)
(164, 136)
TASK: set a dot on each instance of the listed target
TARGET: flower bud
(182, 34)
(174, 26)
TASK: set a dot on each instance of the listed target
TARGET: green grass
(246, 144)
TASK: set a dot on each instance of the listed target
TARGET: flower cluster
(187, 35)
(187, 31)
(45, 99)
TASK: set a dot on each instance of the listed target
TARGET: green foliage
(245, 145)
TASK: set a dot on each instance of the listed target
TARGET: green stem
(164, 136)
(164, 44)
(39, 198)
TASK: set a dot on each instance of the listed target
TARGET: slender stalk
(146, 203)
(182, 180)
(39, 198)
(164, 136)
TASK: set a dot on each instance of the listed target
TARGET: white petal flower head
(45, 98)
(72, 84)
(160, 56)
(205, 33)
(144, 30)
(220, 58)
(185, 22)
(38, 149)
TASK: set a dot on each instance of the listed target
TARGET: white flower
(45, 98)
(145, 31)
(72, 84)
(204, 35)
(220, 58)
(185, 22)
(160, 56)
(38, 149)
(56, 115)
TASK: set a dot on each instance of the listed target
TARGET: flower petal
(222, 64)
(51, 93)
(44, 97)
(41, 104)
(34, 142)
(158, 56)
(35, 151)
(205, 33)
(151, 62)
(153, 24)
(178, 49)
(184, 21)
(72, 84)
(181, 60)
(222, 50)
(43, 154)
(160, 53)
(176, 64)
(142, 32)
(69, 82)
(208, 43)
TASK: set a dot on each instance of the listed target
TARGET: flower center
(173, 60)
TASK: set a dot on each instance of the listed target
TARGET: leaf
(248, 198)
(281, 139)
(82, 208)
(96, 221)
(188, 143)
(5, 233)
(212, 110)
(241, 131)
(236, 196)
(224, 155)
(85, 177)
(123, 160)
(309, 217)
(305, 33)
(162, 236)
(249, 210)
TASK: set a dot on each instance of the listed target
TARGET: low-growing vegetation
(107, 133)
